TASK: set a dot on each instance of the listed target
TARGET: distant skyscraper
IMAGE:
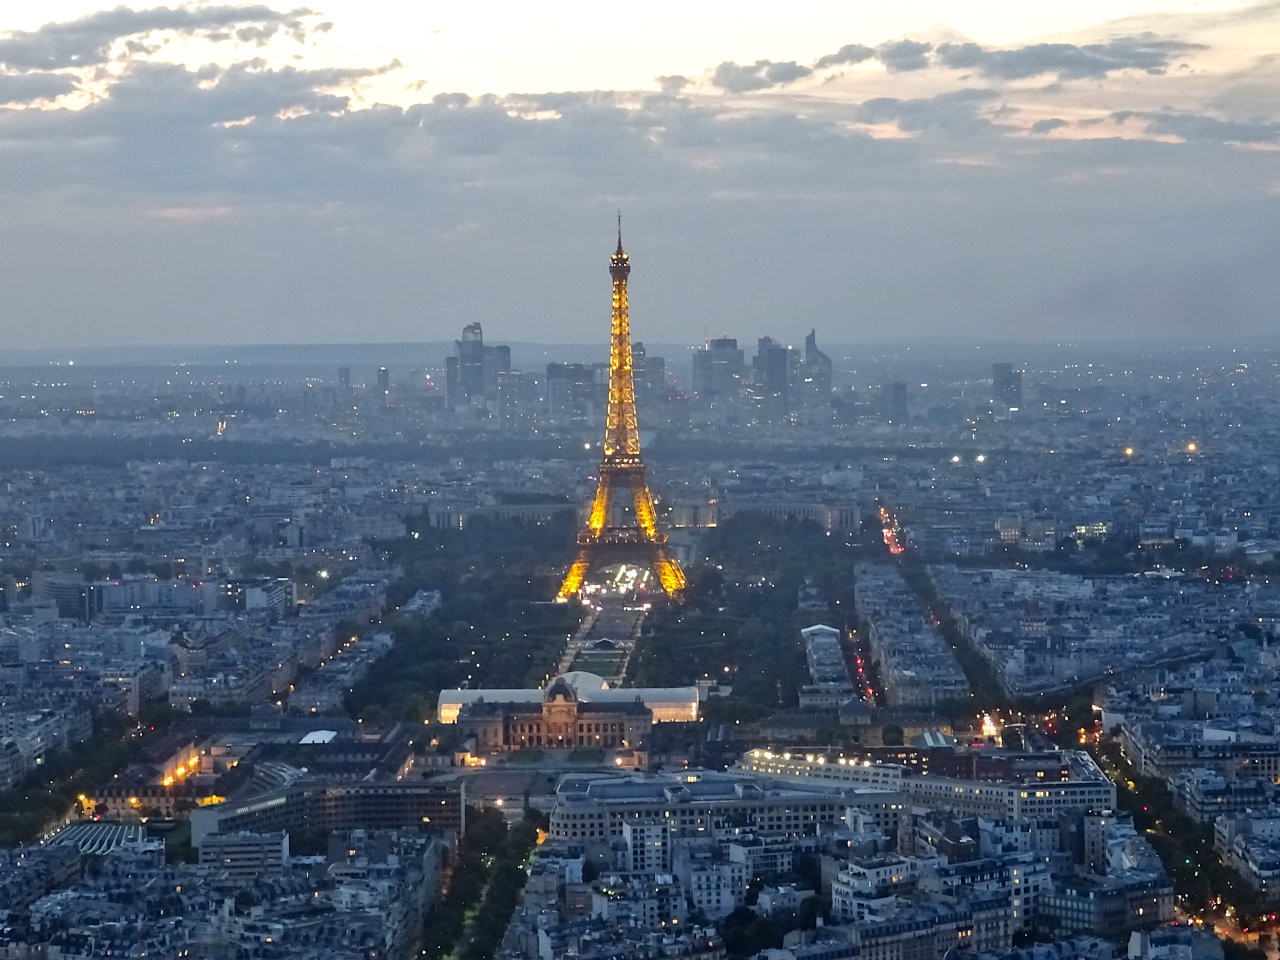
(815, 373)
(518, 398)
(655, 376)
(471, 360)
(1006, 386)
(718, 370)
(472, 373)
(497, 360)
(344, 377)
(772, 372)
(650, 373)
(384, 381)
(893, 402)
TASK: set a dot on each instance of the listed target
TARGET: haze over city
(223, 174)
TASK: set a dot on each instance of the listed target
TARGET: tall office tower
(718, 370)
(344, 377)
(496, 360)
(384, 381)
(640, 370)
(518, 398)
(472, 373)
(622, 467)
(471, 360)
(893, 402)
(650, 373)
(1006, 386)
(815, 374)
(655, 375)
(773, 373)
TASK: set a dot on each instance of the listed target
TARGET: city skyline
(239, 174)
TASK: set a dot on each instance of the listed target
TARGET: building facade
(560, 720)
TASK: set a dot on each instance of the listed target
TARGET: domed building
(559, 721)
(667, 704)
(575, 710)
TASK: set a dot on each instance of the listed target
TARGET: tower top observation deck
(619, 263)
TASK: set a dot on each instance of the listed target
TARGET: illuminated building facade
(561, 720)
(663, 704)
(622, 467)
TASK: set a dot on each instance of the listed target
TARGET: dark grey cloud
(743, 78)
(956, 113)
(1048, 126)
(88, 40)
(850, 53)
(786, 72)
(736, 78)
(30, 87)
(672, 84)
(1202, 128)
(149, 95)
(900, 56)
(1145, 52)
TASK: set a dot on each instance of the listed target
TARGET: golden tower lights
(621, 465)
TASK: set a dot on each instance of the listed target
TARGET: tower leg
(669, 573)
(646, 514)
(573, 579)
(600, 505)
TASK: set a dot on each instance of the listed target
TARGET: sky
(228, 173)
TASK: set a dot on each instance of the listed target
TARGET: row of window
(582, 728)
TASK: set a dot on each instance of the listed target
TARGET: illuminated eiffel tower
(621, 467)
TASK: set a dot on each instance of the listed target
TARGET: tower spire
(619, 250)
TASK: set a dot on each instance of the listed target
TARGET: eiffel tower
(621, 467)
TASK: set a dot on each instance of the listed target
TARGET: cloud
(787, 72)
(955, 113)
(850, 53)
(900, 56)
(28, 87)
(1145, 52)
(198, 176)
(1201, 128)
(737, 78)
(149, 93)
(1048, 126)
(89, 39)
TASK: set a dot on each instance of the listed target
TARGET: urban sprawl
(977, 656)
